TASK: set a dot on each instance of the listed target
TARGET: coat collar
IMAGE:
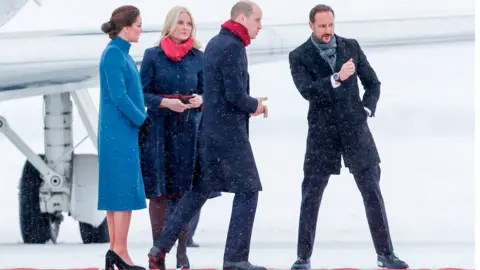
(121, 43)
(225, 31)
(312, 53)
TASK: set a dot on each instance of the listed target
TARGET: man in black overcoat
(226, 158)
(324, 70)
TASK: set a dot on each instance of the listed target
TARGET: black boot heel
(182, 261)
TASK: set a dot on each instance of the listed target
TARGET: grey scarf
(327, 50)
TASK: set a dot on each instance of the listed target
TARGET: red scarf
(238, 30)
(176, 51)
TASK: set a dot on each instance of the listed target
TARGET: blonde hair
(171, 21)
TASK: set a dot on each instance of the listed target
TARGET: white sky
(61, 14)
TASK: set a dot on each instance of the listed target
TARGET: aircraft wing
(26, 80)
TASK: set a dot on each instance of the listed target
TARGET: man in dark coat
(226, 157)
(324, 70)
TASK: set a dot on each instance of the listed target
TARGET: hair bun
(121, 17)
(107, 27)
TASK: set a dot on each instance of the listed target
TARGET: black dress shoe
(391, 261)
(243, 265)
(301, 263)
(192, 244)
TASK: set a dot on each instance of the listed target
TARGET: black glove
(144, 130)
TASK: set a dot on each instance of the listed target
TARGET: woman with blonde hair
(172, 80)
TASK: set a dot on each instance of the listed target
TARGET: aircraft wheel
(36, 227)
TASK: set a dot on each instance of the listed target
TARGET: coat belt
(177, 96)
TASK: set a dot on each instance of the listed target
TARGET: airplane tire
(34, 225)
(92, 235)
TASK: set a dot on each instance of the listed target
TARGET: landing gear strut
(59, 181)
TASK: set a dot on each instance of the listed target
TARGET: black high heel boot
(112, 259)
(156, 259)
(182, 261)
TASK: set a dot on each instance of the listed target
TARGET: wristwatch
(336, 77)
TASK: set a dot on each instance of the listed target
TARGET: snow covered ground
(424, 130)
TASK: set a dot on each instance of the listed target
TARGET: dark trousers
(368, 183)
(237, 247)
(192, 226)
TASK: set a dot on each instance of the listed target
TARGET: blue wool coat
(169, 154)
(122, 112)
(227, 160)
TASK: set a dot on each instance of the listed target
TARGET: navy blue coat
(170, 149)
(226, 155)
(337, 120)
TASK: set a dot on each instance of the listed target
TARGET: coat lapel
(311, 52)
(342, 53)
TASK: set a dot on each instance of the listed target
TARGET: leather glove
(144, 130)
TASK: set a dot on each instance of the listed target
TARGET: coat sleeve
(369, 80)
(200, 82)
(147, 74)
(318, 91)
(114, 71)
(235, 88)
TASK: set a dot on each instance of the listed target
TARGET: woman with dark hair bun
(121, 118)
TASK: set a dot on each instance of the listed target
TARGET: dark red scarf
(238, 30)
(176, 51)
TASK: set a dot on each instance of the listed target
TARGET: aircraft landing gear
(39, 228)
(59, 181)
